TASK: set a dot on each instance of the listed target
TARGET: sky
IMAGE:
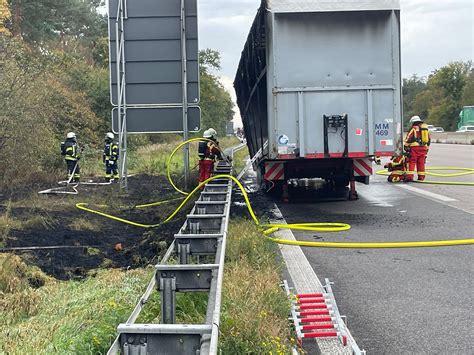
(433, 33)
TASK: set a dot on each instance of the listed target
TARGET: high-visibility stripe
(279, 176)
(358, 172)
(362, 167)
(271, 170)
(274, 171)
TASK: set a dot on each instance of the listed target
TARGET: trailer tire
(344, 182)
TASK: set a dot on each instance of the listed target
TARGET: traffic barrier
(203, 233)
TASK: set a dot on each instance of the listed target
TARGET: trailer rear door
(335, 63)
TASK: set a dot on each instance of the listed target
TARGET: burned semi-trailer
(319, 89)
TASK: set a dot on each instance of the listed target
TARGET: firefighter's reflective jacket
(418, 136)
(209, 150)
(70, 150)
(111, 151)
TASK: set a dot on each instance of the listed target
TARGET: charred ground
(53, 220)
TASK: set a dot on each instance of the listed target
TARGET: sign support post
(185, 94)
(121, 94)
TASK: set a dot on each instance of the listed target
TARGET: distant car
(438, 129)
(466, 129)
(431, 127)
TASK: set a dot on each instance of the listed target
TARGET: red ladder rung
(311, 300)
(318, 326)
(315, 313)
(316, 319)
(307, 295)
(320, 334)
(313, 306)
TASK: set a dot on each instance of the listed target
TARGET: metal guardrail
(204, 233)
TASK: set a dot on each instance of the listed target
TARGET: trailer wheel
(341, 182)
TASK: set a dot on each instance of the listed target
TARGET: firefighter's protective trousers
(397, 169)
(209, 152)
(206, 168)
(110, 158)
(71, 164)
(72, 155)
(417, 161)
(418, 148)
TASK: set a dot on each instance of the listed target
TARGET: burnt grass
(140, 246)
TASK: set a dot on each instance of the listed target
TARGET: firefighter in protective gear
(72, 153)
(208, 152)
(417, 143)
(110, 157)
(397, 168)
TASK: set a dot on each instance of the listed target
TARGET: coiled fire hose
(269, 228)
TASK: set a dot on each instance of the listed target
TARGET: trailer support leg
(352, 190)
(285, 195)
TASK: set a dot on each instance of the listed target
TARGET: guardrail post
(184, 250)
(168, 299)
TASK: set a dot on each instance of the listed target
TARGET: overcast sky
(434, 32)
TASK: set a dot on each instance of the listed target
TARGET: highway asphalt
(401, 300)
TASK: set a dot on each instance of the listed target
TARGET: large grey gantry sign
(154, 69)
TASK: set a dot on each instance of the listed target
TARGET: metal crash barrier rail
(202, 237)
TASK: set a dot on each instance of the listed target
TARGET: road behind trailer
(320, 80)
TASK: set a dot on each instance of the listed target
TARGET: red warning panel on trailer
(362, 167)
(274, 170)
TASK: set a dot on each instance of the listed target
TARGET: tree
(216, 103)
(446, 91)
(410, 89)
(93, 82)
(451, 79)
(468, 93)
(42, 21)
(4, 16)
(37, 108)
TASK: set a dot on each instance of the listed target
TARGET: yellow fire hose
(175, 150)
(84, 206)
(268, 228)
(464, 171)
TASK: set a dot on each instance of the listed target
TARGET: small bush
(17, 287)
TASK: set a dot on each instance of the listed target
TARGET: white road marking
(428, 194)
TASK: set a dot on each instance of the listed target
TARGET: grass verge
(63, 317)
(254, 315)
(152, 159)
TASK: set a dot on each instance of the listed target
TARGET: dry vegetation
(43, 316)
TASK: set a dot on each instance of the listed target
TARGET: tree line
(54, 78)
(440, 97)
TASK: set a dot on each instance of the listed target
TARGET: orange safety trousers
(417, 161)
(206, 168)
